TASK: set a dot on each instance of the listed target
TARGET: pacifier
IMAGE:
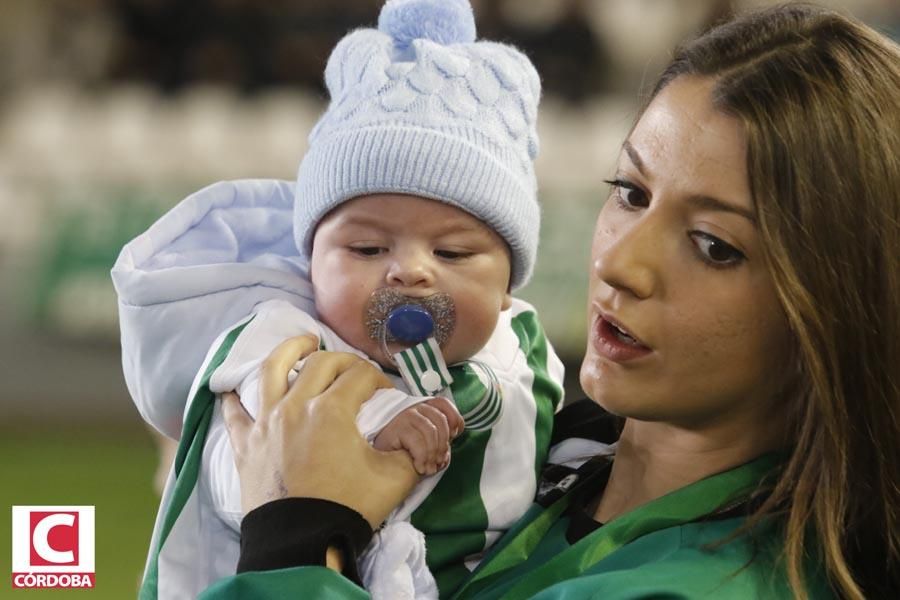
(409, 323)
(395, 317)
(422, 324)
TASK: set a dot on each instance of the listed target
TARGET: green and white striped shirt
(508, 393)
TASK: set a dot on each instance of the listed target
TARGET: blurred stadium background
(111, 111)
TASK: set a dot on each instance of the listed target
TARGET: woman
(745, 322)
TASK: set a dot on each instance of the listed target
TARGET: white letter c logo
(42, 532)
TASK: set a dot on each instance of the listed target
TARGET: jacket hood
(200, 268)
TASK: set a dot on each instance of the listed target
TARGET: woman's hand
(304, 442)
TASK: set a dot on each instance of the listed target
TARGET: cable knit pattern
(430, 112)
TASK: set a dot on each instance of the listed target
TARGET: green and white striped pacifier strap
(423, 368)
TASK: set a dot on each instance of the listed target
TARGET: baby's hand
(425, 431)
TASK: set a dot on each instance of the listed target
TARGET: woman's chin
(592, 378)
(602, 389)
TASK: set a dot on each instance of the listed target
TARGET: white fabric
(183, 573)
(574, 452)
(394, 565)
(201, 267)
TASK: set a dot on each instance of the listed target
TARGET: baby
(413, 217)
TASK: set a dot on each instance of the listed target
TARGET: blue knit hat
(419, 107)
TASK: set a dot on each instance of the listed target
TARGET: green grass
(111, 469)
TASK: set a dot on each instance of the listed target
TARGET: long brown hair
(819, 96)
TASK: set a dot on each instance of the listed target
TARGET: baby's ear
(507, 301)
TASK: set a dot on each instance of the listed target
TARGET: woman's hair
(819, 96)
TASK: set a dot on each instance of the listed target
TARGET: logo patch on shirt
(551, 489)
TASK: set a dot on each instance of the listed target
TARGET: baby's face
(418, 247)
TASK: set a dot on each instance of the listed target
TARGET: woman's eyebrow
(711, 203)
(700, 201)
(635, 157)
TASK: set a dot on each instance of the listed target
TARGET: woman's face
(685, 326)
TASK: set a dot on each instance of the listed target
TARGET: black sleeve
(296, 532)
(585, 419)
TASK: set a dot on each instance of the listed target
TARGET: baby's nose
(410, 272)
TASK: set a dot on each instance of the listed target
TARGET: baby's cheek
(474, 328)
(345, 318)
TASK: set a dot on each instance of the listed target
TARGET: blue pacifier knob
(410, 323)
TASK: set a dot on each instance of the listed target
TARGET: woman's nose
(627, 257)
(410, 269)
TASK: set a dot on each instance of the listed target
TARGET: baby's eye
(628, 195)
(451, 254)
(716, 252)
(367, 250)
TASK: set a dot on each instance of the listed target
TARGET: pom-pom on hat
(419, 107)
(442, 21)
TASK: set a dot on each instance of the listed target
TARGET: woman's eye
(451, 254)
(367, 250)
(628, 195)
(715, 251)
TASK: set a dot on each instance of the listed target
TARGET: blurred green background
(106, 467)
(111, 111)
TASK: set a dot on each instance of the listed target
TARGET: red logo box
(52, 546)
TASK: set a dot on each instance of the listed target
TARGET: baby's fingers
(432, 444)
(441, 428)
(455, 422)
(414, 442)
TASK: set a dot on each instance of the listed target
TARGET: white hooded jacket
(218, 253)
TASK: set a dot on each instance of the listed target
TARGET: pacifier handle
(421, 364)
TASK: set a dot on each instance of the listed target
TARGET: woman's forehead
(683, 139)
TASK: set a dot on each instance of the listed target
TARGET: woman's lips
(614, 343)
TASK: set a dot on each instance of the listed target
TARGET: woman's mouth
(614, 342)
